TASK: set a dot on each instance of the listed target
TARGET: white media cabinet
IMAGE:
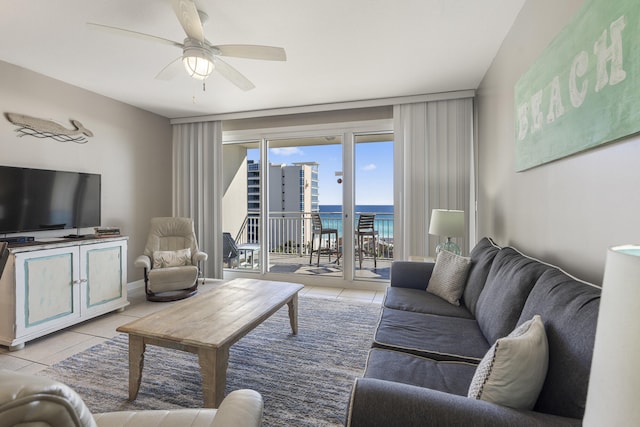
(50, 285)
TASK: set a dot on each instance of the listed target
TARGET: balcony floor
(294, 264)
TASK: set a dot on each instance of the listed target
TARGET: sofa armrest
(410, 274)
(143, 261)
(384, 403)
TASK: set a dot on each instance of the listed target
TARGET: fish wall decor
(41, 128)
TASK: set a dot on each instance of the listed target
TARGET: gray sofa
(425, 350)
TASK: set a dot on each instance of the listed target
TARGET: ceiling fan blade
(187, 14)
(171, 70)
(233, 75)
(129, 33)
(253, 51)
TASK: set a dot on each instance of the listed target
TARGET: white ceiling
(337, 50)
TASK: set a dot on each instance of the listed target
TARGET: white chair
(171, 259)
(31, 400)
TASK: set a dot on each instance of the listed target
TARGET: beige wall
(234, 200)
(567, 212)
(131, 149)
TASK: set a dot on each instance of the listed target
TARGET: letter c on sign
(578, 69)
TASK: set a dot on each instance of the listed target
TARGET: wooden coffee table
(207, 325)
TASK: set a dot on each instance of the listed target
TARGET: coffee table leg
(136, 363)
(293, 313)
(213, 368)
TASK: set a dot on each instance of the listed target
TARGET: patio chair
(230, 250)
(365, 228)
(318, 230)
(244, 255)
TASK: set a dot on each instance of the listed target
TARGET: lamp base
(448, 246)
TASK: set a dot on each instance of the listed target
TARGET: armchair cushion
(172, 278)
(164, 259)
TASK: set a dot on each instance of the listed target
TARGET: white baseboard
(138, 284)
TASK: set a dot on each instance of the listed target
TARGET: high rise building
(293, 194)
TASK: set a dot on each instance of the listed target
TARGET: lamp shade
(447, 223)
(613, 398)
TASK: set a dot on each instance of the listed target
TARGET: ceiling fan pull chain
(204, 89)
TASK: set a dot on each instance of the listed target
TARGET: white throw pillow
(163, 259)
(514, 369)
(449, 276)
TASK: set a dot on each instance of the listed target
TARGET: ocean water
(377, 209)
(332, 217)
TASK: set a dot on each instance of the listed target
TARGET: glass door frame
(348, 131)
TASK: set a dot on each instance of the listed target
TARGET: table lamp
(614, 385)
(447, 223)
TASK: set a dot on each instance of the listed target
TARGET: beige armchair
(171, 259)
(30, 400)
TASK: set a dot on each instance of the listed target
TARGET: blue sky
(374, 170)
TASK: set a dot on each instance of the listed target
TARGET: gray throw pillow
(449, 276)
(514, 369)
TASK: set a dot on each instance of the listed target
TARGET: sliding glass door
(293, 200)
(305, 205)
(373, 199)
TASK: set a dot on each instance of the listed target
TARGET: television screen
(39, 199)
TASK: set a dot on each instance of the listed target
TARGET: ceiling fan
(199, 56)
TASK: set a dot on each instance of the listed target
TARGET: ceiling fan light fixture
(198, 61)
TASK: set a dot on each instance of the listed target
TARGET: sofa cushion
(436, 337)
(510, 280)
(422, 302)
(391, 365)
(482, 257)
(410, 274)
(514, 368)
(449, 276)
(569, 308)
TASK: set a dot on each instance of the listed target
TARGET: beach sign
(584, 90)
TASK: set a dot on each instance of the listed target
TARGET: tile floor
(38, 354)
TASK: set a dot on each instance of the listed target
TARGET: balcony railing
(291, 232)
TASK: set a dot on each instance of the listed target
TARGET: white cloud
(370, 167)
(287, 151)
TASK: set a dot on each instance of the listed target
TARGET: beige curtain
(435, 170)
(197, 185)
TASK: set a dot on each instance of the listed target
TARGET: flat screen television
(40, 199)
